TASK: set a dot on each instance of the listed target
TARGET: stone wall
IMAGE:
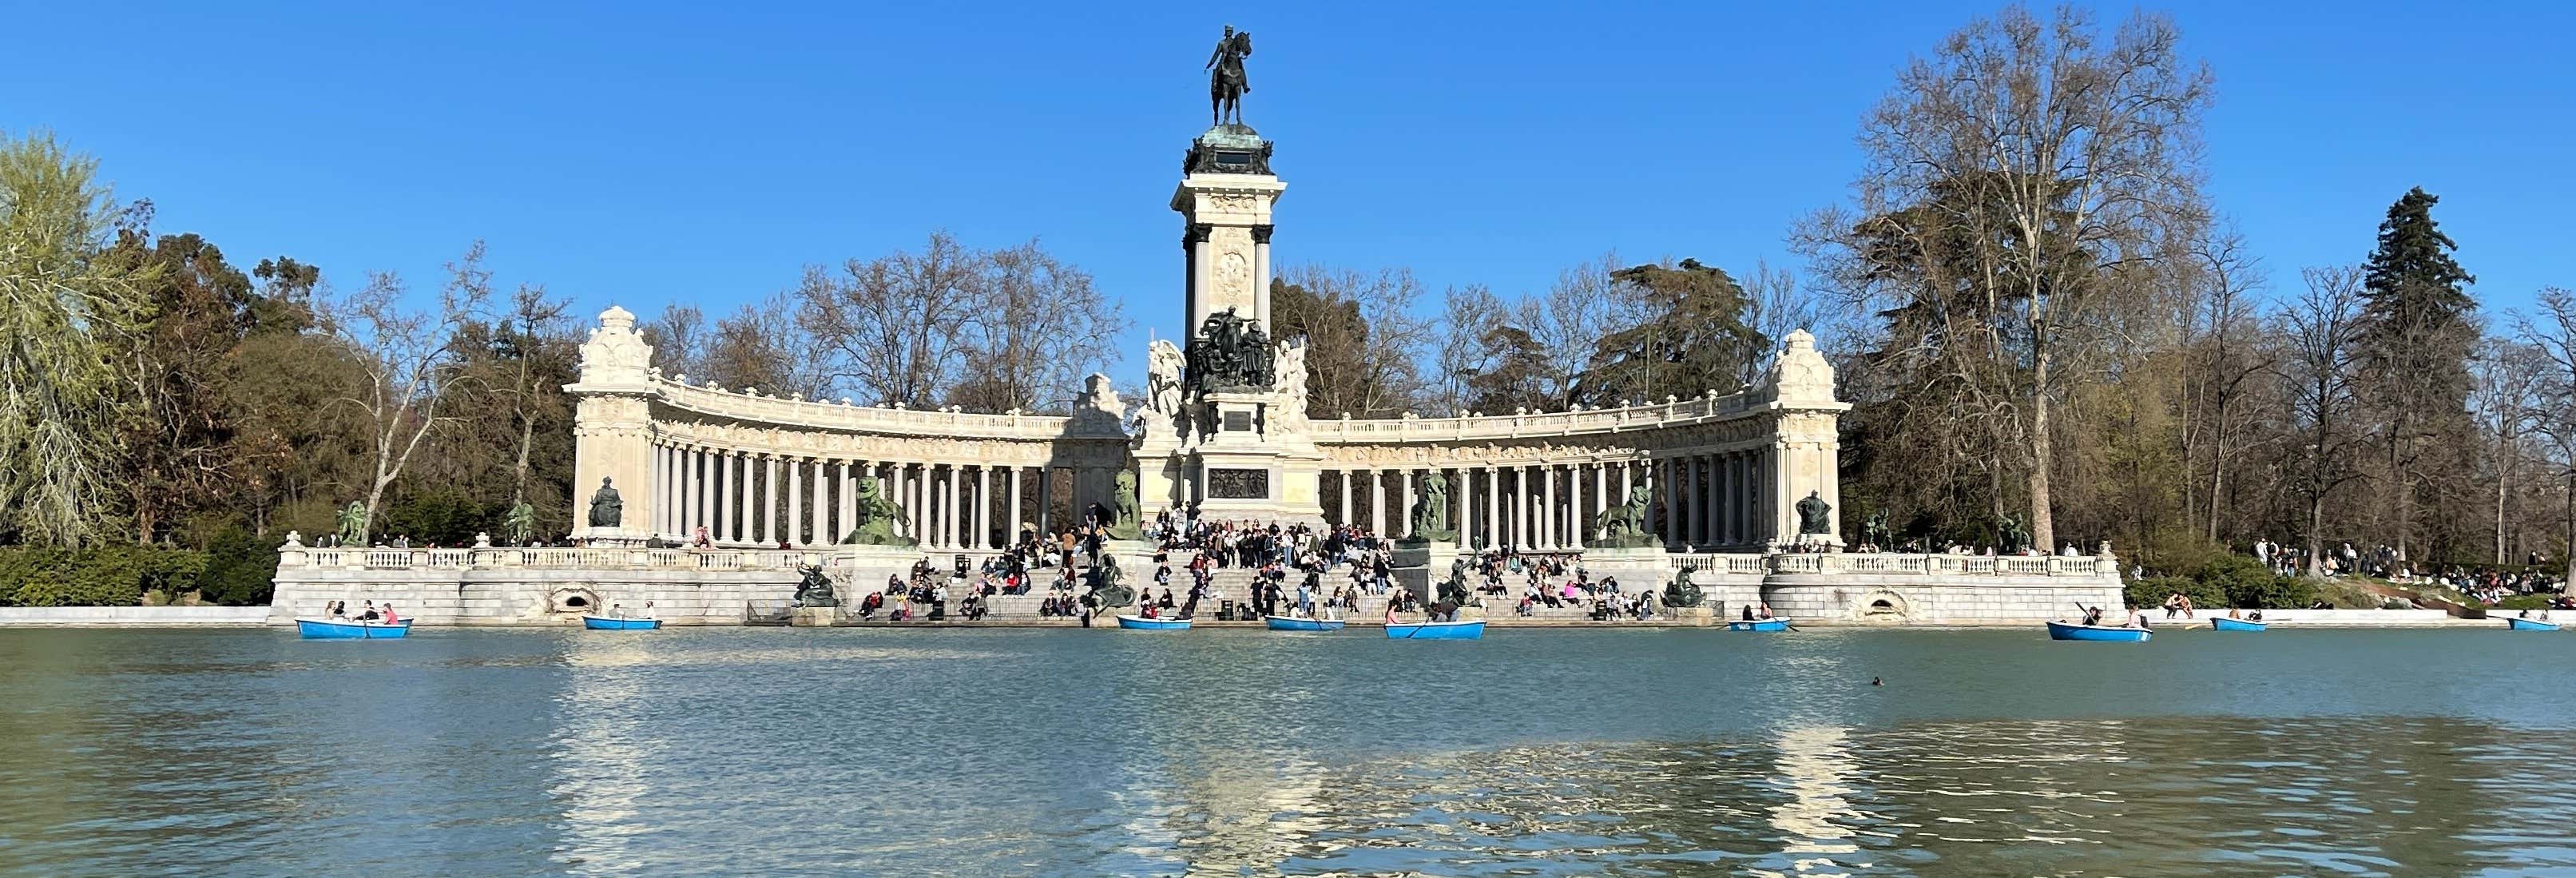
(131, 617)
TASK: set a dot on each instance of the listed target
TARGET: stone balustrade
(1535, 425)
(546, 559)
(843, 416)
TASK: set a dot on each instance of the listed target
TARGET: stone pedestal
(1702, 615)
(1637, 569)
(1421, 566)
(858, 570)
(611, 537)
(813, 617)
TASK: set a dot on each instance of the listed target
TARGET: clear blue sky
(649, 153)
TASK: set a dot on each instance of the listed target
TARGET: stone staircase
(1235, 584)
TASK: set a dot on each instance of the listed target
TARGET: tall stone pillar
(613, 429)
(1805, 451)
(1225, 201)
(1377, 502)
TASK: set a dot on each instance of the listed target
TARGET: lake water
(1066, 752)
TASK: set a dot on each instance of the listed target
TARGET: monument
(1735, 478)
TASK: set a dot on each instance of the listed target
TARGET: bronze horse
(1226, 84)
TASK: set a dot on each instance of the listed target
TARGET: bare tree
(2219, 334)
(1361, 335)
(1777, 307)
(1038, 327)
(2553, 337)
(2319, 368)
(2506, 378)
(408, 362)
(890, 329)
(1462, 345)
(679, 340)
(533, 320)
(1567, 324)
(2023, 193)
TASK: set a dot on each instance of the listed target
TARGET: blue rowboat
(1291, 623)
(333, 629)
(1474, 630)
(2520, 624)
(618, 623)
(1772, 624)
(1142, 624)
(2222, 623)
(2106, 633)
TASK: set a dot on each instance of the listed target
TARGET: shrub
(2151, 592)
(114, 576)
(240, 570)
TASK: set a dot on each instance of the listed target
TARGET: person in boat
(2255, 616)
(1147, 611)
(2092, 616)
(2233, 614)
(1748, 612)
(1444, 611)
(389, 617)
(337, 610)
(645, 613)
(1766, 612)
(369, 614)
(1390, 612)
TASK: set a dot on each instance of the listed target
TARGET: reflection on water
(1092, 753)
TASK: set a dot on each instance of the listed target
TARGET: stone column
(795, 519)
(1261, 274)
(1672, 504)
(1600, 495)
(1016, 519)
(851, 472)
(1493, 506)
(952, 522)
(822, 529)
(1546, 506)
(1046, 498)
(720, 513)
(1345, 482)
(1404, 504)
(1518, 532)
(1377, 502)
(983, 507)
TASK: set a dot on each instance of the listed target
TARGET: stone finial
(294, 540)
(751, 391)
(846, 401)
(1669, 399)
(483, 539)
(798, 396)
(614, 354)
(1800, 373)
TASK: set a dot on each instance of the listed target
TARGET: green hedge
(2226, 581)
(113, 576)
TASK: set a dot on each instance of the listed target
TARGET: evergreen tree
(1689, 336)
(2418, 329)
